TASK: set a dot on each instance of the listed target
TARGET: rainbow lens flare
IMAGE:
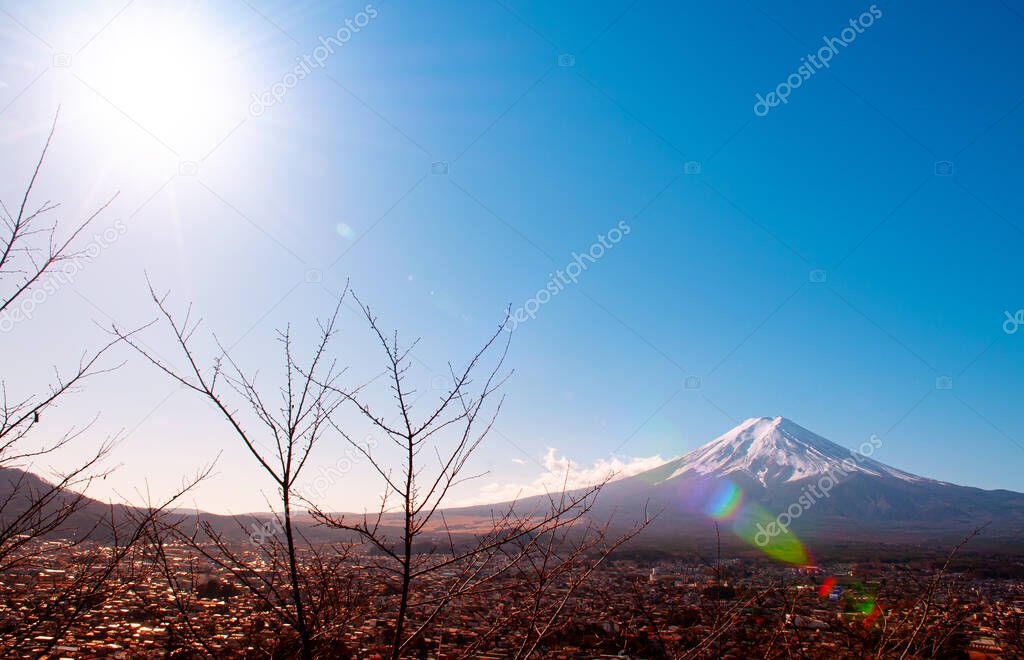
(757, 526)
(725, 501)
(866, 605)
(856, 598)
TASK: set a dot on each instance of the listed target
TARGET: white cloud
(518, 461)
(559, 471)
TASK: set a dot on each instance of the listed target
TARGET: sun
(164, 72)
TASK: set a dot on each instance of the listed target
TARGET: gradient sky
(810, 263)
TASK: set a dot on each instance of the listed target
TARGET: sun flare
(169, 74)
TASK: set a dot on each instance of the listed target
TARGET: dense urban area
(628, 608)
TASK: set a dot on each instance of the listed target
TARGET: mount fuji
(845, 497)
(777, 451)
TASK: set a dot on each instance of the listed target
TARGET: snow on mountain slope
(777, 450)
(766, 466)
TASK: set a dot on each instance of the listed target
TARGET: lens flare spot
(757, 526)
(873, 614)
(345, 231)
(725, 502)
(855, 597)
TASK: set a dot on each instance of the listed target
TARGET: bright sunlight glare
(169, 74)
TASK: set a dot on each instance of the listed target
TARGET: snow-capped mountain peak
(774, 450)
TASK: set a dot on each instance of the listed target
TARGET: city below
(629, 608)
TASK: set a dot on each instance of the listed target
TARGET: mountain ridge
(798, 453)
(771, 465)
(840, 495)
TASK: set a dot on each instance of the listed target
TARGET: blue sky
(809, 263)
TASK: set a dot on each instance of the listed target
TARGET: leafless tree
(537, 584)
(43, 521)
(542, 549)
(182, 563)
(32, 249)
(916, 630)
(284, 437)
(104, 564)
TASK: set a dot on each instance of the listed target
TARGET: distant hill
(17, 486)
